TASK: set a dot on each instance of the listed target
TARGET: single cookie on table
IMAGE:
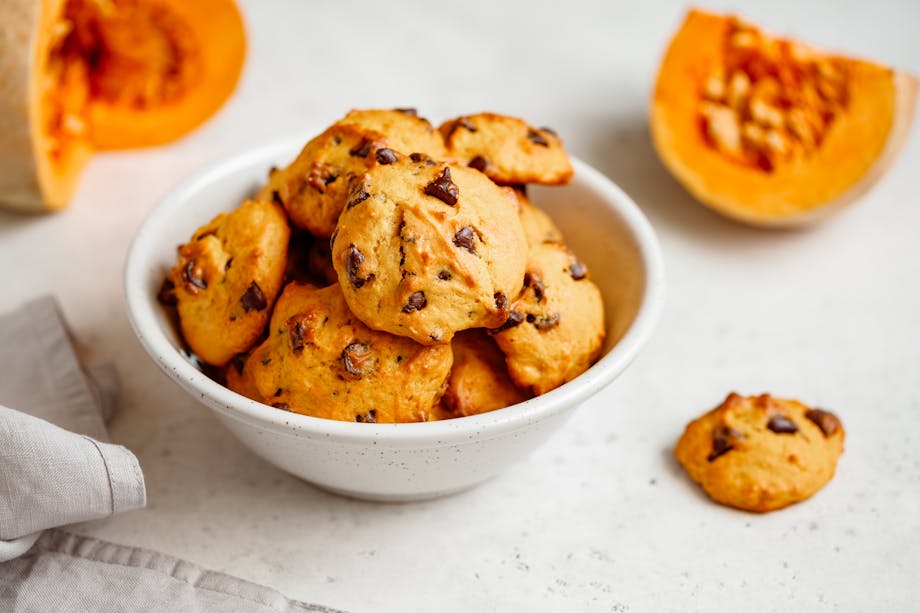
(479, 380)
(424, 249)
(556, 327)
(320, 360)
(226, 280)
(314, 186)
(403, 129)
(761, 453)
(507, 149)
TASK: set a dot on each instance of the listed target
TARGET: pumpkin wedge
(771, 131)
(78, 76)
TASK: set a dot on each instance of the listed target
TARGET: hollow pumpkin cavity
(108, 74)
(772, 131)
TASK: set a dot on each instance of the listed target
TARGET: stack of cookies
(394, 272)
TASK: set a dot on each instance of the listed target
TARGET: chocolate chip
(254, 299)
(445, 275)
(479, 163)
(358, 198)
(239, 361)
(167, 294)
(536, 138)
(548, 130)
(577, 269)
(514, 319)
(533, 280)
(368, 418)
(355, 259)
(296, 331)
(501, 301)
(278, 392)
(544, 322)
(192, 281)
(266, 361)
(276, 198)
(228, 264)
(282, 405)
(358, 360)
(825, 420)
(408, 111)
(416, 302)
(320, 177)
(385, 156)
(465, 123)
(465, 238)
(723, 441)
(361, 150)
(443, 188)
(421, 157)
(782, 425)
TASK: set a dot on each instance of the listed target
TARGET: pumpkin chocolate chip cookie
(479, 380)
(507, 149)
(556, 327)
(313, 187)
(320, 360)
(226, 280)
(404, 130)
(761, 453)
(425, 249)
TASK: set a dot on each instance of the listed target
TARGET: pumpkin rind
(858, 146)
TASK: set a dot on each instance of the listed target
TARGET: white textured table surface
(601, 518)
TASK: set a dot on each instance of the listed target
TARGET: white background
(601, 518)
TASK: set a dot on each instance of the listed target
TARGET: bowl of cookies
(393, 310)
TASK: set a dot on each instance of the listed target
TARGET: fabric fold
(69, 573)
(53, 477)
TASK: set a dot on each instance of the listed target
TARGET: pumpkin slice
(771, 131)
(84, 75)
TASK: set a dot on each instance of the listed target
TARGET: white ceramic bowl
(416, 460)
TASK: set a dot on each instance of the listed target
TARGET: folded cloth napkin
(57, 467)
(68, 573)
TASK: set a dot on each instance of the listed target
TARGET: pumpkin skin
(758, 165)
(78, 76)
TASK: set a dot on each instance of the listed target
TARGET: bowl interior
(600, 223)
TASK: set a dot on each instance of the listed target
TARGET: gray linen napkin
(57, 468)
(67, 573)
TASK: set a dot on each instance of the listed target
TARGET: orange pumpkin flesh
(87, 75)
(770, 131)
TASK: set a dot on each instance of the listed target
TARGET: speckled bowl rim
(142, 305)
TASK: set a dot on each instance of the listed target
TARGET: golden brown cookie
(227, 277)
(404, 130)
(538, 226)
(425, 250)
(556, 327)
(479, 380)
(313, 187)
(761, 453)
(507, 149)
(320, 360)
